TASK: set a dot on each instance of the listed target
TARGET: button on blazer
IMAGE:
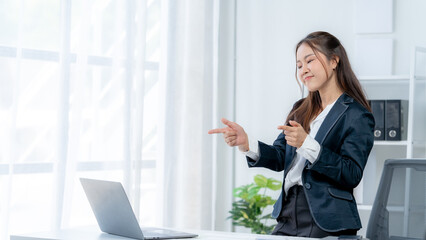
(346, 138)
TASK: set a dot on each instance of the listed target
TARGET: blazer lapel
(335, 113)
(289, 159)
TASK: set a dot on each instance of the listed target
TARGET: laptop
(115, 215)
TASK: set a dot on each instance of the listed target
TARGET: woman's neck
(330, 94)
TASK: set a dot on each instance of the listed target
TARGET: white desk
(94, 233)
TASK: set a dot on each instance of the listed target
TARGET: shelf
(420, 77)
(392, 78)
(419, 144)
(409, 86)
(404, 78)
(399, 143)
(390, 143)
(366, 207)
(395, 208)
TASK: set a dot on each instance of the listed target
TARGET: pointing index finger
(217, 130)
(284, 127)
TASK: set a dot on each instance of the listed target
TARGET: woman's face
(310, 70)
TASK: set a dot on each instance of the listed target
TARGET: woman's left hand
(294, 134)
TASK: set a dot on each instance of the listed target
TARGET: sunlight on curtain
(78, 98)
(189, 79)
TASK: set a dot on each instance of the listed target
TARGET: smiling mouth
(307, 78)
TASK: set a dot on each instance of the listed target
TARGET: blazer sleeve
(345, 166)
(275, 156)
(271, 156)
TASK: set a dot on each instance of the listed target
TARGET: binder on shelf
(396, 117)
(378, 109)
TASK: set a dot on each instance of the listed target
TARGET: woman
(323, 148)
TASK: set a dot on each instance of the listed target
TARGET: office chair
(399, 207)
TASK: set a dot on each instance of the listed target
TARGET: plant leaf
(248, 210)
(273, 184)
(260, 180)
(252, 193)
(244, 215)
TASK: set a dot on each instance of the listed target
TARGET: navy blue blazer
(346, 138)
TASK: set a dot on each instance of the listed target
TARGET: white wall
(267, 32)
(409, 30)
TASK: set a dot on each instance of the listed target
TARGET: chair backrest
(399, 207)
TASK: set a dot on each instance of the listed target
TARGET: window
(78, 95)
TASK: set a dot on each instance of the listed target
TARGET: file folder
(396, 117)
(378, 109)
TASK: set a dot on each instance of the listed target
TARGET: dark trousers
(295, 218)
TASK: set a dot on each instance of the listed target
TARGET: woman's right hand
(233, 134)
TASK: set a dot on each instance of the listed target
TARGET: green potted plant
(247, 210)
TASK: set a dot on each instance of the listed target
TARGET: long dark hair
(307, 109)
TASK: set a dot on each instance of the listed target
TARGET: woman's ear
(334, 61)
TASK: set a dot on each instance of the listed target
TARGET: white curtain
(77, 81)
(189, 82)
(110, 89)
